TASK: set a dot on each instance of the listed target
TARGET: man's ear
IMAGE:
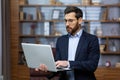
(80, 20)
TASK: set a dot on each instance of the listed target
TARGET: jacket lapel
(66, 41)
(80, 44)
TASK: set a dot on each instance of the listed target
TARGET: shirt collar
(78, 34)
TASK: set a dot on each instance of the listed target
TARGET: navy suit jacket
(86, 58)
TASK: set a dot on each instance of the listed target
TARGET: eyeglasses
(70, 20)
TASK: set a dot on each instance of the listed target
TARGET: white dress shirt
(73, 43)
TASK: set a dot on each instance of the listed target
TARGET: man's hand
(60, 64)
(42, 67)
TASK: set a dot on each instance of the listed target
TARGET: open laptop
(36, 54)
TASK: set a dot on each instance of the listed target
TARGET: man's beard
(72, 31)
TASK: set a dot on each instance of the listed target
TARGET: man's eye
(65, 20)
(70, 20)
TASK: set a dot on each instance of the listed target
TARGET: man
(77, 50)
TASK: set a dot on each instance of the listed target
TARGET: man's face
(72, 23)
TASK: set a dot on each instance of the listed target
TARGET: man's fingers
(61, 64)
(42, 67)
(36, 69)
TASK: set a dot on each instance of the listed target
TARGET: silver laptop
(36, 54)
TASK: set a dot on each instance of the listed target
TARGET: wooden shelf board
(112, 37)
(103, 21)
(111, 53)
(49, 5)
(29, 36)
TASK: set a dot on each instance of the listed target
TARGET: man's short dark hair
(78, 11)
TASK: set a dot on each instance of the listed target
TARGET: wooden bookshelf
(21, 71)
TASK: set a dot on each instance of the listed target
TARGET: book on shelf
(86, 2)
(25, 16)
(95, 2)
(52, 2)
(39, 14)
(22, 2)
(22, 15)
(46, 28)
(105, 14)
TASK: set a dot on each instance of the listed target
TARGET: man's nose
(67, 23)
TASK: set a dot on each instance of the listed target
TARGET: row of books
(48, 12)
(32, 28)
(29, 16)
(89, 13)
(84, 2)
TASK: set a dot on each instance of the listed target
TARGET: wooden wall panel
(108, 73)
(14, 39)
(18, 72)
